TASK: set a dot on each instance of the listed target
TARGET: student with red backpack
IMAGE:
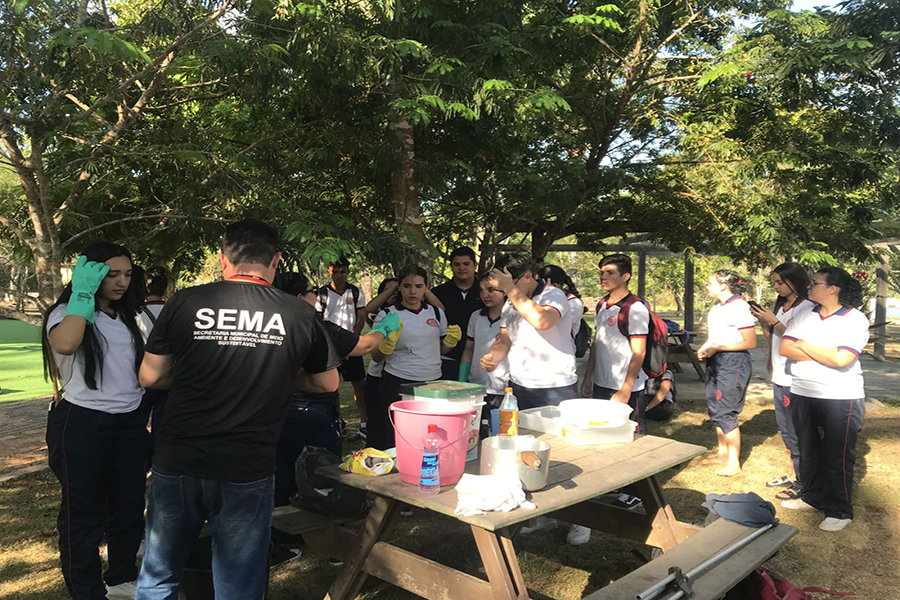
(731, 329)
(618, 367)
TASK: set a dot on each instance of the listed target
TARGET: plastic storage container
(546, 419)
(588, 412)
(459, 392)
(590, 436)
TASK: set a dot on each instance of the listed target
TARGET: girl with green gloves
(97, 435)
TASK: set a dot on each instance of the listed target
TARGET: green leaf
(20, 6)
(496, 84)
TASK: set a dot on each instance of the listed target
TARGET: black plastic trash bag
(322, 495)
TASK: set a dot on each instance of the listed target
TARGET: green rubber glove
(388, 325)
(390, 342)
(86, 279)
(453, 335)
(464, 370)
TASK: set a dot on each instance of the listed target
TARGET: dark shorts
(727, 377)
(353, 369)
(535, 397)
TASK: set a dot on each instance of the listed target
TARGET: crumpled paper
(481, 493)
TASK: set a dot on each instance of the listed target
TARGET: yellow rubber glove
(453, 335)
(387, 345)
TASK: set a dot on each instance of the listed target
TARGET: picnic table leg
(667, 531)
(351, 577)
(692, 354)
(500, 564)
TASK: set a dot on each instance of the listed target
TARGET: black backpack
(583, 339)
(323, 296)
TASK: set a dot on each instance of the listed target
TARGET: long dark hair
(93, 345)
(735, 282)
(559, 276)
(851, 293)
(797, 278)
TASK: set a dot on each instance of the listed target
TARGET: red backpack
(764, 584)
(656, 358)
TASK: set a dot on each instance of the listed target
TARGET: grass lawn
(864, 558)
(21, 366)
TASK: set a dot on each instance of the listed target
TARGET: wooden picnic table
(578, 474)
(681, 350)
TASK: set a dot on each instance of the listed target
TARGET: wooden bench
(706, 543)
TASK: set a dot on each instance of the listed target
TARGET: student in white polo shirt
(615, 369)
(414, 357)
(791, 282)
(822, 344)
(484, 327)
(535, 336)
(97, 438)
(731, 330)
(344, 304)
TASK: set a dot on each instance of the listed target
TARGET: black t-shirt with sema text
(459, 306)
(237, 347)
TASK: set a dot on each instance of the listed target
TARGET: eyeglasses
(813, 284)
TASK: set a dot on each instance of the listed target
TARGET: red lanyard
(250, 278)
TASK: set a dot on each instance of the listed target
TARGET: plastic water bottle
(430, 476)
(509, 414)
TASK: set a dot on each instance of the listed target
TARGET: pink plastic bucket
(411, 420)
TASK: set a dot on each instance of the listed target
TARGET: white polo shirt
(417, 355)
(847, 329)
(483, 332)
(340, 308)
(726, 320)
(780, 375)
(577, 312)
(612, 354)
(144, 322)
(117, 390)
(541, 359)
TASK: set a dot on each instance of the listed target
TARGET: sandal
(779, 481)
(790, 493)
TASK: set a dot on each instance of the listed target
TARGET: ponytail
(736, 284)
(851, 293)
(558, 276)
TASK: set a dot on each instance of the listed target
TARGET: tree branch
(19, 232)
(162, 216)
(10, 313)
(155, 67)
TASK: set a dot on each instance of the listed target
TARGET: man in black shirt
(231, 352)
(312, 419)
(461, 298)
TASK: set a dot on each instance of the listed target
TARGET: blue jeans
(306, 424)
(240, 518)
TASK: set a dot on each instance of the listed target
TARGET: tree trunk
(407, 211)
(679, 301)
(541, 240)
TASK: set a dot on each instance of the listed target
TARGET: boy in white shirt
(344, 304)
(615, 369)
(535, 336)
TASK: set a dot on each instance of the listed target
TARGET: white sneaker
(123, 591)
(797, 504)
(540, 524)
(834, 524)
(578, 535)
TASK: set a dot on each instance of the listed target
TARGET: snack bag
(369, 461)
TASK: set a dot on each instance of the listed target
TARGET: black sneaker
(628, 501)
(363, 432)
